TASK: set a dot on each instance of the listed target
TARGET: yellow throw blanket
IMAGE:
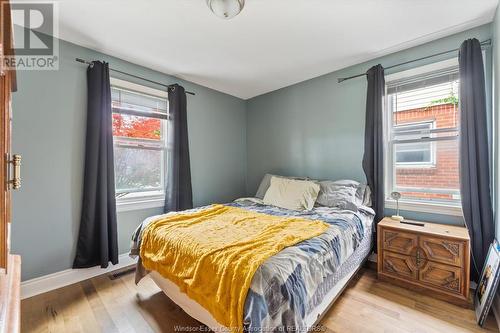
(213, 254)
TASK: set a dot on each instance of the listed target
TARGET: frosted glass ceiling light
(226, 9)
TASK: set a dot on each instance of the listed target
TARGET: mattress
(293, 287)
(333, 286)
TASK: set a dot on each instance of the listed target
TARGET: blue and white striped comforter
(289, 285)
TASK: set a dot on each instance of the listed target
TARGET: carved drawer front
(445, 277)
(400, 242)
(446, 251)
(399, 265)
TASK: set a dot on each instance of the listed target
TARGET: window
(417, 153)
(140, 144)
(422, 120)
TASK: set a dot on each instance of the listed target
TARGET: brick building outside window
(422, 138)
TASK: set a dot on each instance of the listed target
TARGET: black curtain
(178, 194)
(474, 155)
(97, 240)
(373, 157)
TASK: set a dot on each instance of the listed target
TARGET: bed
(294, 288)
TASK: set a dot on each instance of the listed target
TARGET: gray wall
(316, 128)
(496, 119)
(496, 134)
(49, 132)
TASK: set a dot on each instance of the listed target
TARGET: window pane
(136, 127)
(137, 169)
(437, 182)
(424, 118)
(136, 101)
(414, 153)
(427, 96)
(401, 129)
(433, 106)
(412, 130)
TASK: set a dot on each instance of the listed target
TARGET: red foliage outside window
(136, 127)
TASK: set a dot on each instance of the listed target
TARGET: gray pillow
(266, 182)
(363, 193)
(334, 194)
(345, 182)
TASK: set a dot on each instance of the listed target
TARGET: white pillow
(266, 182)
(291, 194)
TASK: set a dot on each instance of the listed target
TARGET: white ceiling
(271, 44)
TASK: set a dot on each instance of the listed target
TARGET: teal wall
(312, 128)
(316, 128)
(49, 132)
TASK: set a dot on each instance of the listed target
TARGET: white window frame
(389, 169)
(144, 199)
(432, 145)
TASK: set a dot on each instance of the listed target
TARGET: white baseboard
(60, 279)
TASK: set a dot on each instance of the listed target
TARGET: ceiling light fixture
(226, 9)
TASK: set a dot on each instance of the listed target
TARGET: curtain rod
(132, 75)
(483, 44)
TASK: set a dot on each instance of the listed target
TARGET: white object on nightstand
(396, 196)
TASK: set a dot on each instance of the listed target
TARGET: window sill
(130, 204)
(425, 207)
(416, 166)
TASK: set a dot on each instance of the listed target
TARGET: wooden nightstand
(433, 258)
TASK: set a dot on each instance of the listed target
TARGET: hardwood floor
(104, 305)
